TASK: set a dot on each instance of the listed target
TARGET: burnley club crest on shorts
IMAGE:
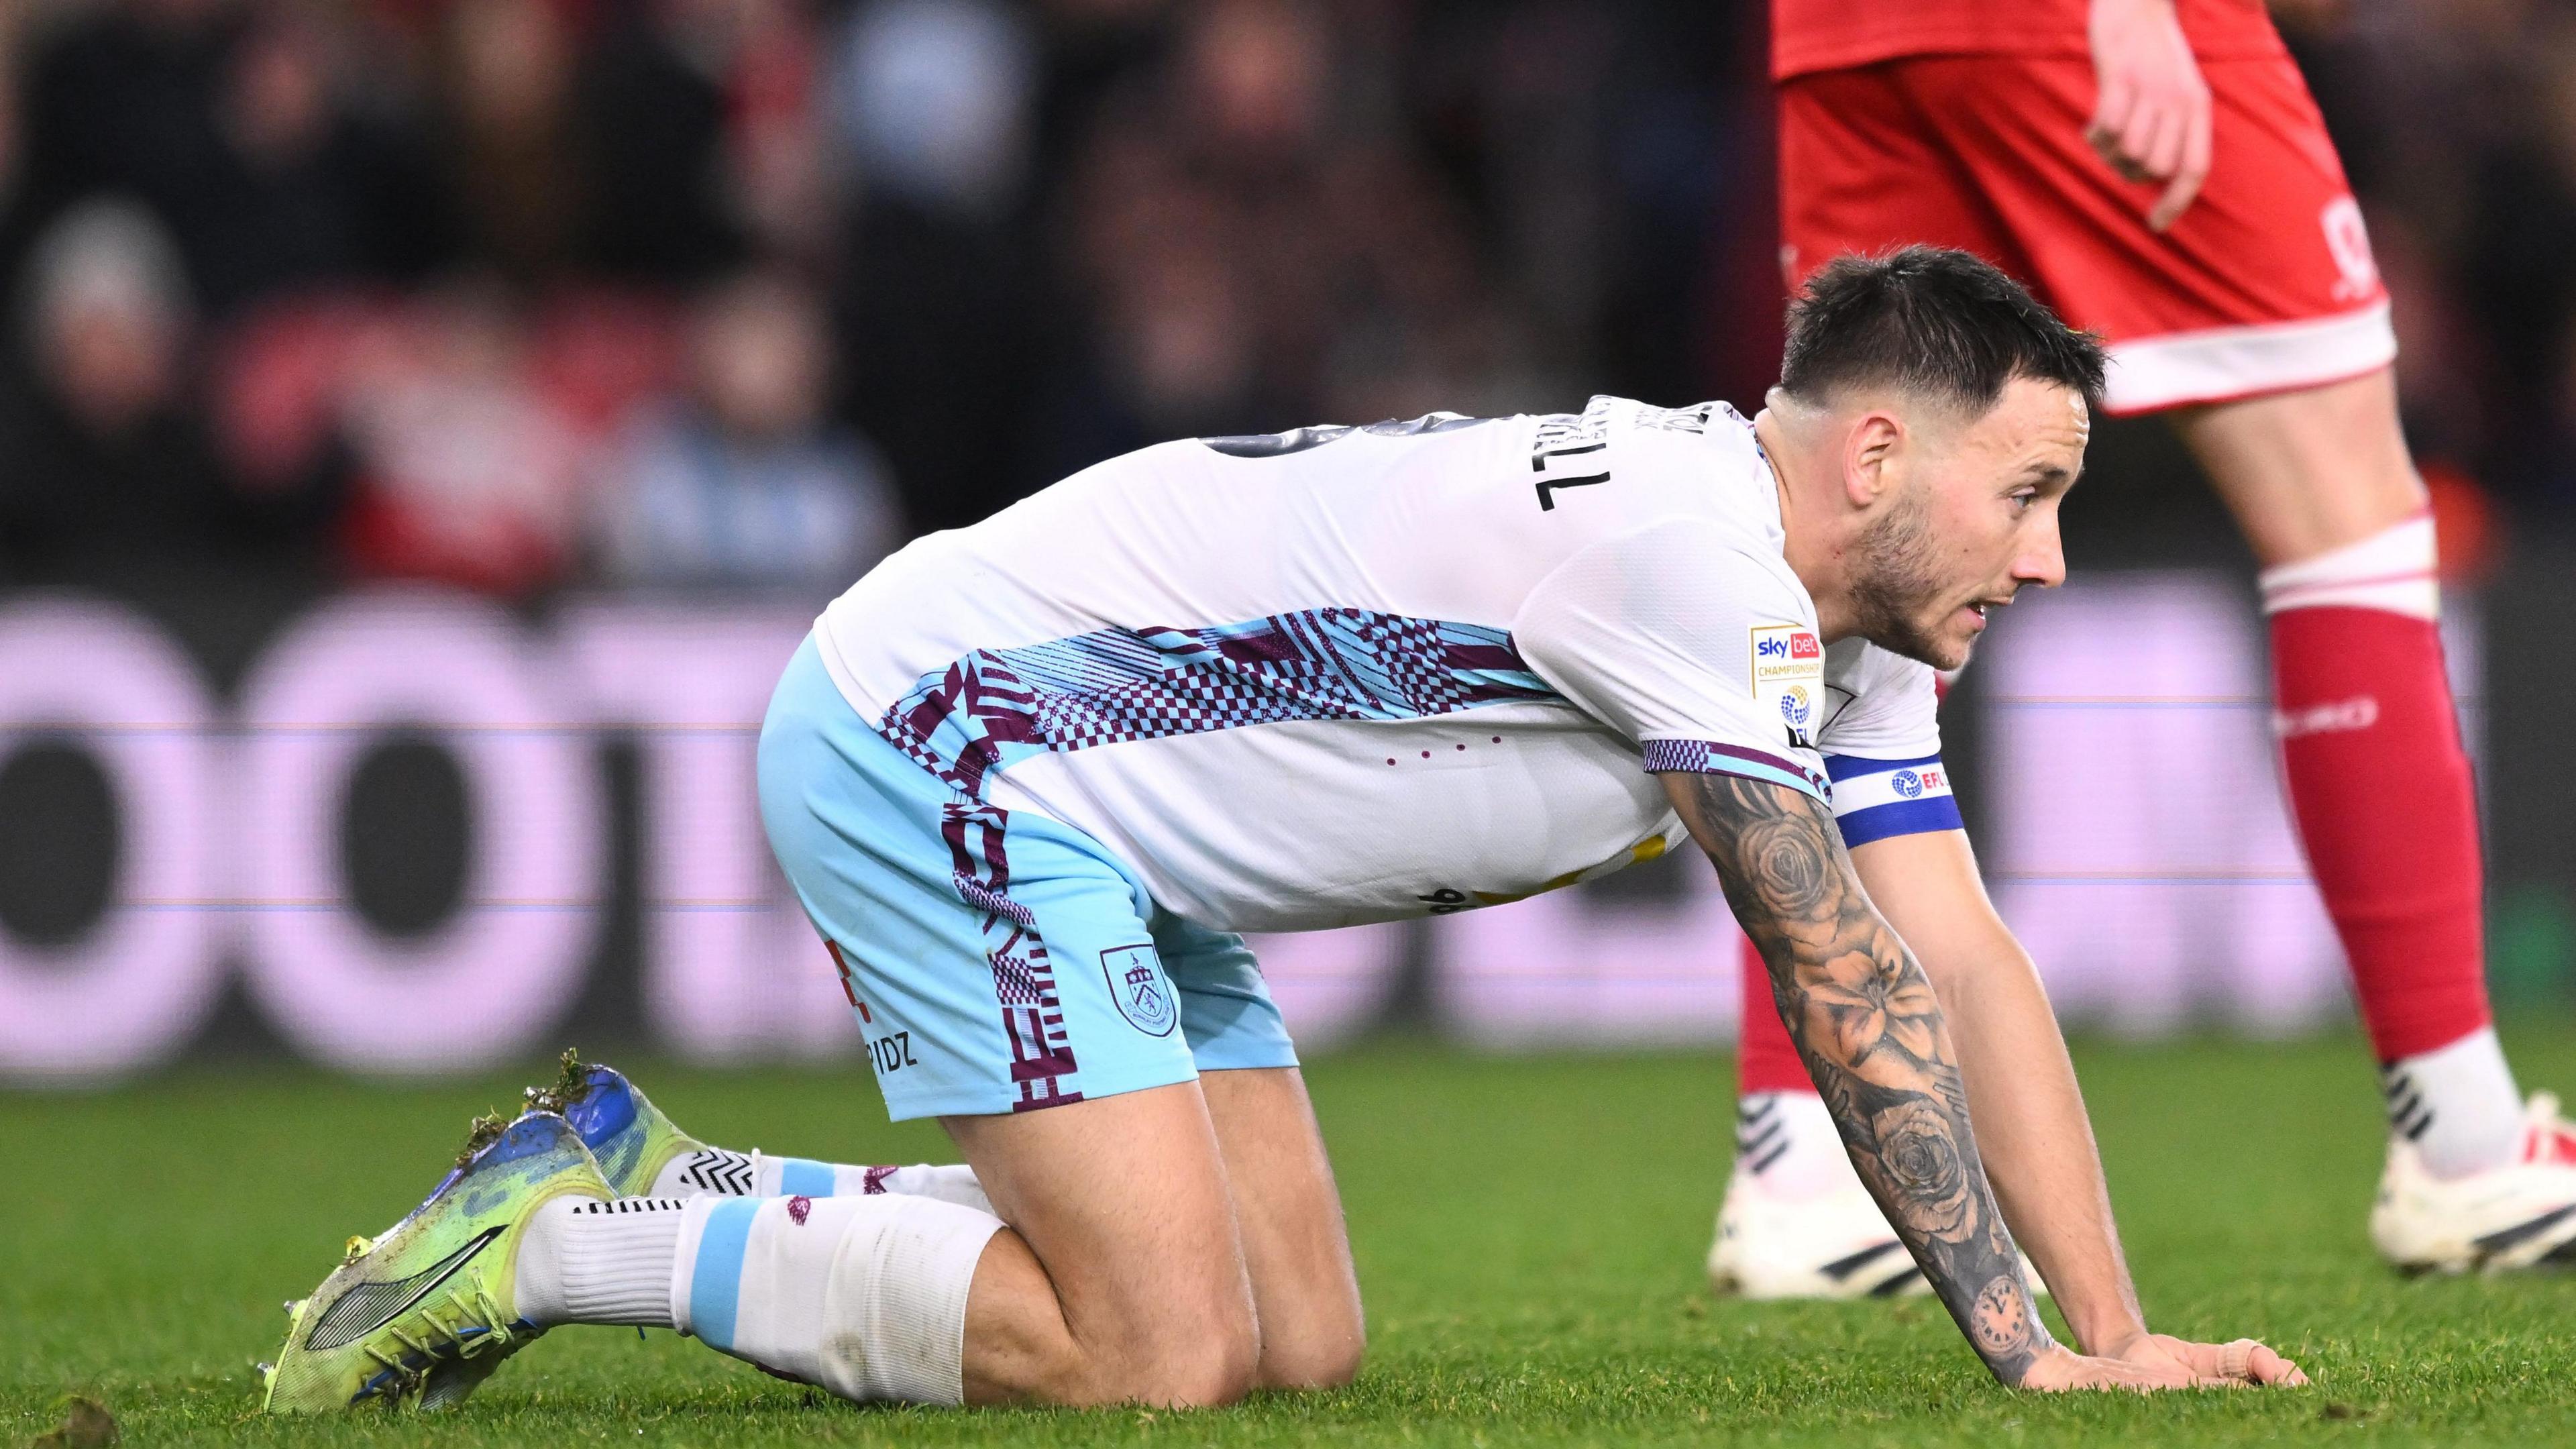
(1136, 983)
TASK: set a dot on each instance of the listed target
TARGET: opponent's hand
(2160, 1361)
(2151, 122)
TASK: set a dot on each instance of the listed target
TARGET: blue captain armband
(1874, 799)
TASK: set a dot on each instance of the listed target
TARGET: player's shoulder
(1862, 664)
(1705, 434)
(1884, 705)
(1880, 684)
(1701, 461)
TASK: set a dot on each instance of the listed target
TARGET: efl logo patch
(1136, 983)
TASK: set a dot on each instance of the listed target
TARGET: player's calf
(1183, 1358)
(1130, 1282)
(1310, 1361)
(1288, 1214)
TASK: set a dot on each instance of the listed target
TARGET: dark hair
(1931, 321)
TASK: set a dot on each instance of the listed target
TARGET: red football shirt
(1813, 35)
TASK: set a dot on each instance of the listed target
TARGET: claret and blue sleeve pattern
(1116, 685)
(1707, 757)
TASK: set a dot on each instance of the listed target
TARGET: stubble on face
(1896, 584)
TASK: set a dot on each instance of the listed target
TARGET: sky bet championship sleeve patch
(1789, 680)
(1874, 799)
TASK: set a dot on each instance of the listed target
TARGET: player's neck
(1816, 558)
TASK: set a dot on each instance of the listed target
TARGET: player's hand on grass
(2151, 121)
(2242, 1361)
(2160, 1361)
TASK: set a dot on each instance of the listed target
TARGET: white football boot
(1796, 1223)
(2520, 1215)
(1831, 1244)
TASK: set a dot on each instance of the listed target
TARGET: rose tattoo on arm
(1864, 1018)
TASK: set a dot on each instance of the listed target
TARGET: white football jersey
(1341, 675)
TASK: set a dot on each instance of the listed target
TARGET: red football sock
(2370, 749)
(1765, 1061)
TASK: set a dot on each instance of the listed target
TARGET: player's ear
(1872, 454)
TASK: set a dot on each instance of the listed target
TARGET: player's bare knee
(1313, 1342)
(1195, 1371)
(1197, 1346)
(1313, 1362)
(1222, 1372)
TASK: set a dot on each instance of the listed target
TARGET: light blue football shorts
(998, 961)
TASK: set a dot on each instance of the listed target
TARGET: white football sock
(1788, 1141)
(2457, 1104)
(585, 1261)
(864, 1296)
(725, 1173)
(2393, 569)
(947, 1181)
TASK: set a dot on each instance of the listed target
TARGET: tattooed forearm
(1863, 1016)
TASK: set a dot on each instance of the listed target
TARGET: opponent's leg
(1305, 1294)
(2321, 482)
(2370, 747)
(2309, 471)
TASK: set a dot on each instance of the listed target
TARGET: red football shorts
(2265, 284)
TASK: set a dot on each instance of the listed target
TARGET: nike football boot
(2519, 1215)
(630, 1137)
(423, 1313)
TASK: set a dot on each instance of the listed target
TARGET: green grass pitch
(1529, 1233)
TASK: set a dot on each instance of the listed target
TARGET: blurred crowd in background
(521, 294)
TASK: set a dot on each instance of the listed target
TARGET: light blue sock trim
(804, 1177)
(715, 1285)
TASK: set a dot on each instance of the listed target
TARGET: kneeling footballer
(1030, 780)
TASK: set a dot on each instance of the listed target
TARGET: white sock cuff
(864, 1296)
(1801, 1113)
(589, 1261)
(617, 1262)
(2392, 570)
(908, 1297)
(1788, 1139)
(2457, 1104)
(722, 1172)
(947, 1181)
(695, 1212)
(716, 1171)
